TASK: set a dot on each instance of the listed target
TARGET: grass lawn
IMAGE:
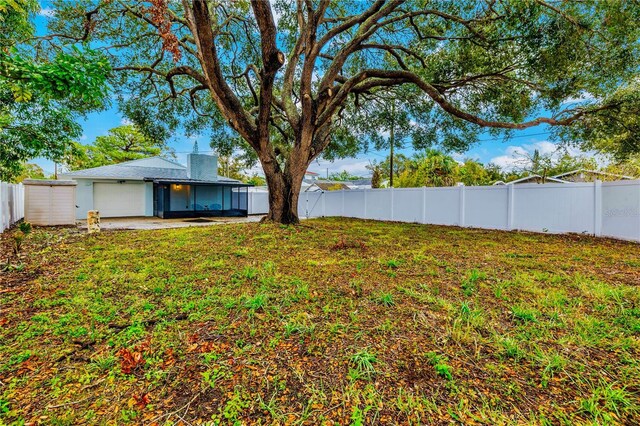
(336, 321)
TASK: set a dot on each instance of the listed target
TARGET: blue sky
(508, 154)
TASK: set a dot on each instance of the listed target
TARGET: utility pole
(391, 142)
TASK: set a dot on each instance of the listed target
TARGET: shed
(50, 202)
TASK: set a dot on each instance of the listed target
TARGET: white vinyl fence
(11, 204)
(610, 209)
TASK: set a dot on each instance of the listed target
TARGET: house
(308, 175)
(363, 183)
(159, 187)
(533, 178)
(326, 186)
(579, 175)
(584, 175)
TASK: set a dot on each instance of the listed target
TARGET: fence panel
(333, 203)
(442, 206)
(621, 210)
(310, 204)
(554, 208)
(379, 204)
(408, 204)
(11, 204)
(355, 203)
(486, 207)
(609, 209)
(258, 202)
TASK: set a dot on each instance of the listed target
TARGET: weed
(439, 364)
(105, 363)
(363, 362)
(511, 348)
(392, 263)
(469, 284)
(211, 377)
(523, 315)
(385, 299)
(256, 302)
(249, 273)
(609, 404)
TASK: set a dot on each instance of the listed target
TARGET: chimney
(202, 167)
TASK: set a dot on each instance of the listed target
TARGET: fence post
(365, 203)
(392, 203)
(424, 204)
(1, 206)
(342, 203)
(462, 200)
(597, 205)
(306, 195)
(323, 204)
(510, 194)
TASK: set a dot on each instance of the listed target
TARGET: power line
(374, 152)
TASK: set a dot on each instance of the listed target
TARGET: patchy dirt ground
(336, 321)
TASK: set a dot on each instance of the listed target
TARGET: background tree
(629, 167)
(124, 143)
(432, 168)
(343, 176)
(376, 175)
(29, 171)
(289, 87)
(550, 164)
(41, 93)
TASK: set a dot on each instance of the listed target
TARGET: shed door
(119, 199)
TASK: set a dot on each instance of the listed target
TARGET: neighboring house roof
(533, 179)
(572, 173)
(327, 186)
(153, 168)
(567, 177)
(359, 182)
(311, 173)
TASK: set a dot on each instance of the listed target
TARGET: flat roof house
(159, 187)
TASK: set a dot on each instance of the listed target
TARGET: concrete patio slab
(157, 223)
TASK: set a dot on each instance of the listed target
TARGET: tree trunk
(284, 190)
(283, 201)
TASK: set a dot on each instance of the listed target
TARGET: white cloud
(47, 12)
(519, 157)
(511, 159)
(354, 166)
(583, 97)
(125, 121)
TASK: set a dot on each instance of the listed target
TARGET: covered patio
(187, 198)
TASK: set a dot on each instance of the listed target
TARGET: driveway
(157, 223)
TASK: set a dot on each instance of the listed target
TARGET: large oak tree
(290, 81)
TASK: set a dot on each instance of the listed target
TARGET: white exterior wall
(84, 196)
(609, 209)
